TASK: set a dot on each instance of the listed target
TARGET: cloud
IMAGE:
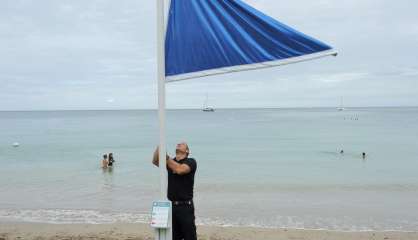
(81, 54)
(339, 77)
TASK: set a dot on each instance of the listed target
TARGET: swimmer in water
(111, 160)
(105, 162)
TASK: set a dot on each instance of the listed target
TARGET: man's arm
(177, 168)
(155, 158)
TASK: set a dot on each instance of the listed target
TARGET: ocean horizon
(199, 108)
(264, 167)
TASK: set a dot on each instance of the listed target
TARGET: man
(181, 171)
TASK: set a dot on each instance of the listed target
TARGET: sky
(101, 54)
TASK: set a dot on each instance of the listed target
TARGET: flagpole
(162, 234)
(161, 97)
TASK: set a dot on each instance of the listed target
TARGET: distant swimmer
(105, 162)
(364, 155)
(111, 160)
(342, 151)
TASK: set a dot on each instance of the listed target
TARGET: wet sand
(124, 231)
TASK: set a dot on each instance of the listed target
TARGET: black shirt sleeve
(192, 164)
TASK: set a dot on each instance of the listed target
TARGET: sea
(271, 168)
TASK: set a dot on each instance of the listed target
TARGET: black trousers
(184, 227)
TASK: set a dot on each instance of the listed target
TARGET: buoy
(15, 144)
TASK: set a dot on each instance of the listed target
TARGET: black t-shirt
(180, 187)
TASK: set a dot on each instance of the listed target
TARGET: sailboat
(341, 107)
(206, 108)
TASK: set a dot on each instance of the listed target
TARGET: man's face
(182, 149)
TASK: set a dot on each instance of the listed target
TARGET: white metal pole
(162, 234)
(161, 97)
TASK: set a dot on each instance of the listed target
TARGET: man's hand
(156, 157)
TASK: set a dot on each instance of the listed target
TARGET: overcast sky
(100, 54)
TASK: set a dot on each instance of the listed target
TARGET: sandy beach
(143, 231)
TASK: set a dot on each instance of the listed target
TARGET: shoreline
(140, 231)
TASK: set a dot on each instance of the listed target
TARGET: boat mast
(205, 103)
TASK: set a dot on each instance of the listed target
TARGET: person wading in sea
(181, 171)
(105, 162)
(111, 160)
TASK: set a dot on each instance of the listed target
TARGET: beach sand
(143, 231)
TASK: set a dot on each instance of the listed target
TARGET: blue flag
(207, 37)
